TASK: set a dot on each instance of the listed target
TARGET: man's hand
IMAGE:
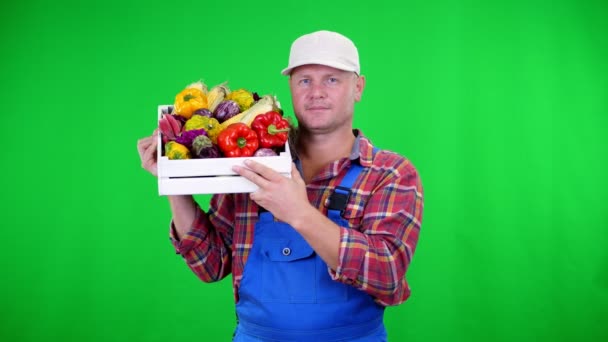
(284, 197)
(287, 200)
(147, 152)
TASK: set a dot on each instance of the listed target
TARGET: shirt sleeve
(206, 247)
(376, 257)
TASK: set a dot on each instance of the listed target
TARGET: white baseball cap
(326, 48)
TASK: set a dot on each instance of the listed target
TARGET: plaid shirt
(384, 213)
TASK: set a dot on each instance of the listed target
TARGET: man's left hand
(285, 198)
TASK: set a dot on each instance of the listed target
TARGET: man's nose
(317, 90)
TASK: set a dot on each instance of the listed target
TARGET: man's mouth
(316, 107)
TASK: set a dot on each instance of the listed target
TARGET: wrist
(303, 218)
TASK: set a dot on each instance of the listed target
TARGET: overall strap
(339, 198)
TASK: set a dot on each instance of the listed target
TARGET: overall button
(286, 251)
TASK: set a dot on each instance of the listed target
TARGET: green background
(502, 106)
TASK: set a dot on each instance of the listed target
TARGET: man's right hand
(182, 206)
(147, 152)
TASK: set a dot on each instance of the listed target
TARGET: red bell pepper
(238, 140)
(271, 128)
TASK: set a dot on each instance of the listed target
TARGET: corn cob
(264, 105)
(216, 95)
(200, 86)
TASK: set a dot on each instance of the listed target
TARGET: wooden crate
(213, 175)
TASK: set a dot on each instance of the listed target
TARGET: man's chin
(315, 129)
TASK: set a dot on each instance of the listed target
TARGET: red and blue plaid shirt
(384, 213)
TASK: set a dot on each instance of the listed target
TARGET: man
(318, 256)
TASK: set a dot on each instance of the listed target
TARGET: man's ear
(359, 86)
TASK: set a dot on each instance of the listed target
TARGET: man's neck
(318, 150)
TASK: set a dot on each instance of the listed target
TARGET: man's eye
(332, 80)
(304, 81)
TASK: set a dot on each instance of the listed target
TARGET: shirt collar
(361, 151)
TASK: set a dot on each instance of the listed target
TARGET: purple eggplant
(202, 147)
(225, 110)
(204, 112)
(180, 118)
(265, 152)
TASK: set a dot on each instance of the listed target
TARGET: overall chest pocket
(292, 272)
(288, 270)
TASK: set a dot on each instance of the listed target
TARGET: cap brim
(287, 71)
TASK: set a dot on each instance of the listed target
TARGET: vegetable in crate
(264, 105)
(187, 137)
(211, 125)
(189, 100)
(242, 97)
(203, 147)
(216, 95)
(238, 140)
(182, 120)
(265, 152)
(175, 150)
(203, 112)
(226, 110)
(169, 127)
(198, 85)
(271, 128)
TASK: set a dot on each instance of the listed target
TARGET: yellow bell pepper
(189, 100)
(210, 125)
(242, 97)
(175, 150)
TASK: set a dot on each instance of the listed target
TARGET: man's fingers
(144, 143)
(295, 173)
(251, 175)
(147, 148)
(264, 171)
(151, 150)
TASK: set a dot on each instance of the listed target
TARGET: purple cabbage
(187, 137)
(225, 110)
(203, 147)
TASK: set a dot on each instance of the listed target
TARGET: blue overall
(286, 293)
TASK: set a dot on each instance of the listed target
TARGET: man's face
(324, 97)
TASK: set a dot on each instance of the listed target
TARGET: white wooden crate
(213, 175)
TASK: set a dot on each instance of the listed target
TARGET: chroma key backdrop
(502, 106)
